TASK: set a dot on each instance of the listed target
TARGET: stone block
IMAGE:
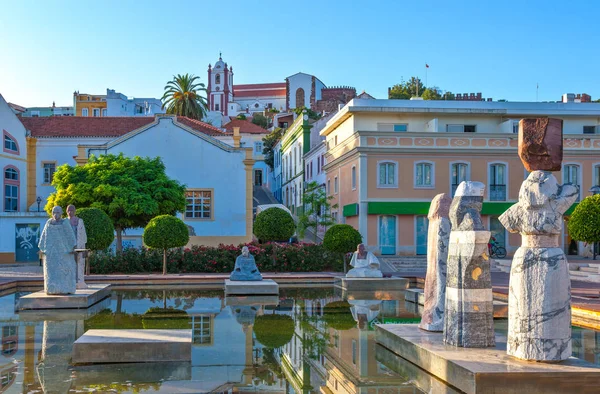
(370, 284)
(133, 346)
(252, 300)
(541, 144)
(489, 370)
(63, 314)
(83, 298)
(416, 297)
(262, 287)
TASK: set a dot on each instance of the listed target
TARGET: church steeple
(220, 82)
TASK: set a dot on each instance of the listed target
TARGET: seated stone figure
(365, 264)
(245, 267)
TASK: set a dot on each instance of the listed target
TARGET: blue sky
(502, 49)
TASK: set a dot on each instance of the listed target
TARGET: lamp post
(594, 190)
(39, 201)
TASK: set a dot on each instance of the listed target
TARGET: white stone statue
(57, 243)
(539, 296)
(365, 264)
(81, 236)
(364, 311)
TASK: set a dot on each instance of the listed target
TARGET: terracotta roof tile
(200, 126)
(77, 126)
(275, 85)
(259, 93)
(245, 127)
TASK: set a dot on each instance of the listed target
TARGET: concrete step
(589, 269)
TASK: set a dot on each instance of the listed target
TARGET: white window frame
(329, 187)
(256, 145)
(450, 173)
(336, 185)
(595, 169)
(353, 177)
(594, 126)
(44, 163)
(579, 175)
(390, 127)
(35, 114)
(104, 112)
(94, 111)
(448, 126)
(211, 203)
(489, 176)
(386, 186)
(85, 112)
(416, 164)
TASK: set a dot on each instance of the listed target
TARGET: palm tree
(182, 97)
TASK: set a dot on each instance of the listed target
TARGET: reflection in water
(57, 345)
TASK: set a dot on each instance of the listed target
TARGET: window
(198, 204)
(515, 127)
(329, 186)
(84, 112)
(498, 182)
(589, 129)
(201, 330)
(216, 107)
(307, 174)
(424, 175)
(311, 169)
(104, 111)
(459, 173)
(11, 189)
(49, 170)
(596, 175)
(218, 78)
(336, 187)
(299, 98)
(571, 175)
(10, 144)
(387, 175)
(35, 114)
(318, 165)
(354, 351)
(258, 147)
(392, 127)
(96, 112)
(353, 177)
(460, 128)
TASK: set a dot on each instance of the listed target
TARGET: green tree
(449, 96)
(311, 114)
(274, 224)
(130, 190)
(269, 142)
(338, 315)
(182, 97)
(317, 210)
(408, 89)
(343, 239)
(584, 223)
(166, 232)
(260, 120)
(432, 93)
(273, 331)
(241, 117)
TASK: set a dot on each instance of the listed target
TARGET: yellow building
(89, 104)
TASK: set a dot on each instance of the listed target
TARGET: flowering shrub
(270, 257)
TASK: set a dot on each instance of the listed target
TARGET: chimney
(236, 137)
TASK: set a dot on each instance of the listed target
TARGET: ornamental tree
(274, 224)
(584, 223)
(98, 228)
(317, 210)
(130, 190)
(343, 239)
(166, 232)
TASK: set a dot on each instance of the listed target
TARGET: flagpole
(426, 85)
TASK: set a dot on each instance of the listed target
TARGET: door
(387, 234)
(422, 229)
(258, 177)
(498, 231)
(27, 237)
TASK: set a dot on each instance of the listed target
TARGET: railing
(497, 192)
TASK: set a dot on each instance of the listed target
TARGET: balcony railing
(497, 192)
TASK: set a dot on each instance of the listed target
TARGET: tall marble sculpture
(245, 267)
(81, 236)
(57, 243)
(469, 320)
(438, 237)
(365, 264)
(539, 297)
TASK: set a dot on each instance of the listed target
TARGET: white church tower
(220, 87)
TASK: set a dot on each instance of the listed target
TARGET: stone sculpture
(365, 264)
(364, 311)
(57, 243)
(53, 369)
(438, 237)
(469, 312)
(245, 267)
(81, 236)
(540, 144)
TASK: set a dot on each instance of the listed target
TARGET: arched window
(299, 98)
(497, 182)
(388, 175)
(571, 174)
(424, 174)
(458, 174)
(10, 143)
(11, 189)
(218, 79)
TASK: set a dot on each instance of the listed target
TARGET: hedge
(270, 257)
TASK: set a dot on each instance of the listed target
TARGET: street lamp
(595, 190)
(39, 201)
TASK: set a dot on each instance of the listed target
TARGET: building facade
(118, 104)
(34, 112)
(386, 160)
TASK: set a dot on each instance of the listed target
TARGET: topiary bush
(584, 223)
(98, 228)
(273, 331)
(338, 316)
(343, 239)
(274, 224)
(166, 232)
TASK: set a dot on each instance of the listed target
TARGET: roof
(245, 127)
(17, 107)
(260, 90)
(77, 126)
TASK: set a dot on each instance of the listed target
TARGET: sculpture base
(416, 296)
(369, 284)
(131, 346)
(485, 370)
(83, 298)
(259, 287)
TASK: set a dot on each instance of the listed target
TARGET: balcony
(497, 192)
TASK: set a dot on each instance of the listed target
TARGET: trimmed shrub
(274, 224)
(342, 238)
(166, 232)
(98, 228)
(338, 316)
(584, 223)
(273, 331)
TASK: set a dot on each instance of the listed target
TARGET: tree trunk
(164, 299)
(164, 261)
(345, 266)
(119, 231)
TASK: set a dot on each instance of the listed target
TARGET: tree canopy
(269, 142)
(407, 89)
(183, 97)
(260, 120)
(98, 228)
(317, 210)
(274, 224)
(584, 223)
(130, 190)
(166, 232)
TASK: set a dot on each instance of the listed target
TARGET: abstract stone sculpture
(469, 313)
(540, 144)
(57, 243)
(365, 264)
(245, 267)
(81, 236)
(539, 296)
(438, 237)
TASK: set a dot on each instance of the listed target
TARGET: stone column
(438, 237)
(469, 320)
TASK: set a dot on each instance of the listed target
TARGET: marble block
(416, 297)
(261, 287)
(438, 238)
(489, 370)
(83, 298)
(541, 144)
(131, 346)
(539, 296)
(366, 284)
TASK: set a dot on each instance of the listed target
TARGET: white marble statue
(365, 264)
(364, 311)
(539, 297)
(79, 229)
(57, 243)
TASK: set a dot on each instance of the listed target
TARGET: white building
(117, 104)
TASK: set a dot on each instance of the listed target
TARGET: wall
(303, 81)
(117, 104)
(8, 234)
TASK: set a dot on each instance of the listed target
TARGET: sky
(503, 49)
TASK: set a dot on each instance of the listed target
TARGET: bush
(274, 224)
(584, 223)
(274, 331)
(338, 316)
(166, 232)
(98, 228)
(342, 238)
